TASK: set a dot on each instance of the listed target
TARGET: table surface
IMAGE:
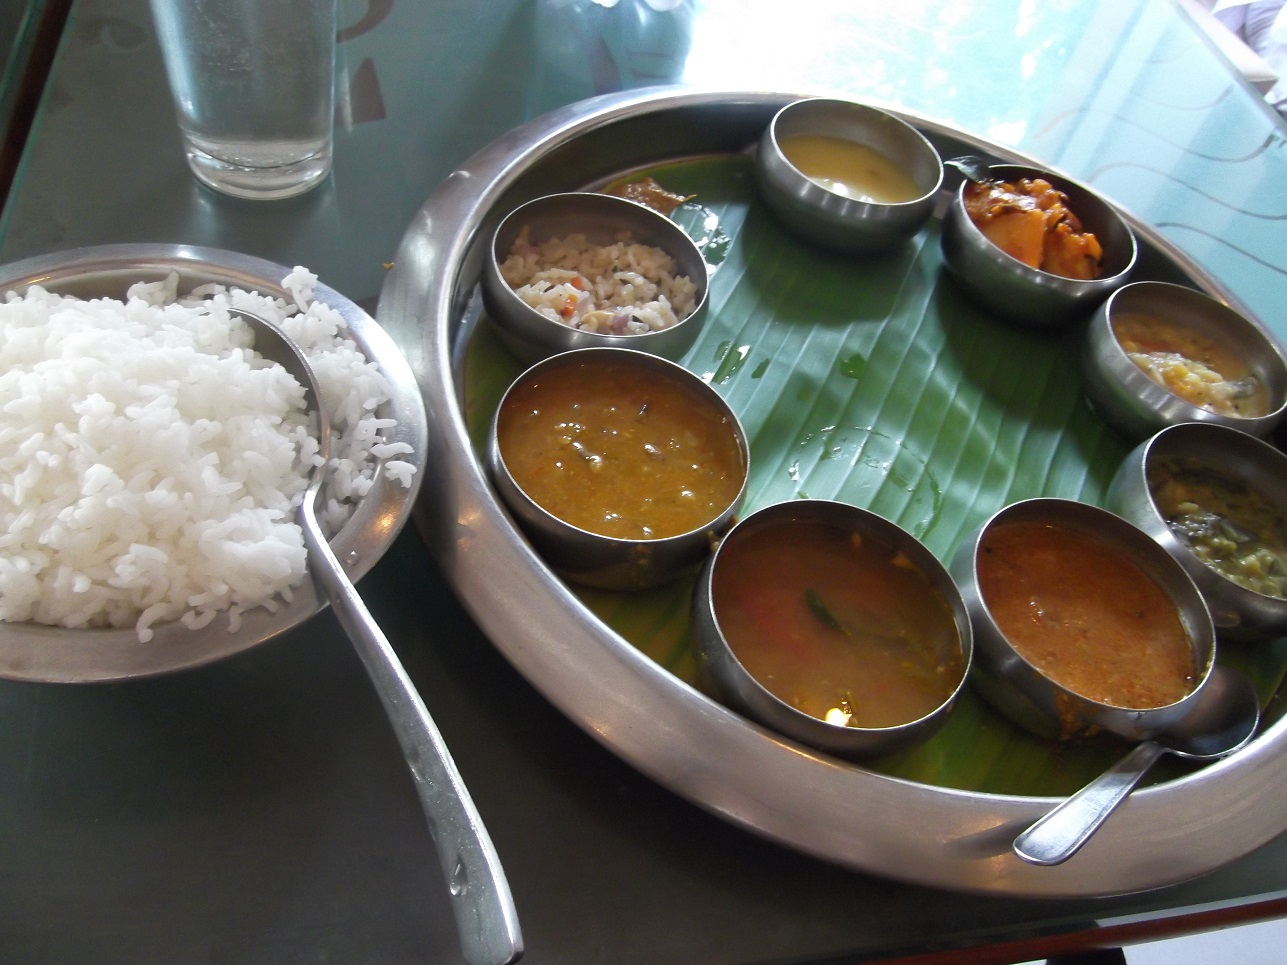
(259, 809)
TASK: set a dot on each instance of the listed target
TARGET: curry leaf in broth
(818, 607)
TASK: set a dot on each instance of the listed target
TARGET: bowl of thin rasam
(833, 626)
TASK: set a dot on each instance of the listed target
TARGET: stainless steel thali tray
(868, 819)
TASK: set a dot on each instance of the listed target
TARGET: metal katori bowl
(736, 686)
(1238, 612)
(602, 219)
(1137, 406)
(606, 562)
(34, 652)
(1028, 296)
(828, 218)
(1030, 697)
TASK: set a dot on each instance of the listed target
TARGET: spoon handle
(480, 897)
(1059, 835)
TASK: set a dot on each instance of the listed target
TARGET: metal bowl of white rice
(96, 502)
(587, 270)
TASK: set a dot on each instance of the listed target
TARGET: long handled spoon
(1223, 721)
(480, 897)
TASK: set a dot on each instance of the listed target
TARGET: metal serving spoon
(480, 897)
(1223, 721)
(974, 168)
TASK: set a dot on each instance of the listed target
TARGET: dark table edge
(1115, 933)
(42, 33)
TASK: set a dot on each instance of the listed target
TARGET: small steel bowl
(1137, 406)
(828, 218)
(1028, 296)
(1031, 698)
(590, 558)
(603, 219)
(1238, 613)
(724, 674)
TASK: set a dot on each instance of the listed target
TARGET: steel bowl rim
(539, 322)
(1164, 535)
(1045, 508)
(771, 137)
(1158, 397)
(675, 372)
(1035, 276)
(886, 529)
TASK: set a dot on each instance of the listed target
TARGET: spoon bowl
(1222, 721)
(481, 901)
(972, 166)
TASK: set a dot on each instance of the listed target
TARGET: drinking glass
(253, 86)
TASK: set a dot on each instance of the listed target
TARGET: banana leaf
(874, 380)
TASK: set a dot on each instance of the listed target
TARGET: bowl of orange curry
(833, 626)
(1082, 622)
(622, 468)
(1035, 248)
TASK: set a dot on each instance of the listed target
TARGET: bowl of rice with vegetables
(583, 270)
(151, 461)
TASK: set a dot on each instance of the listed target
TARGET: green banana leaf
(876, 382)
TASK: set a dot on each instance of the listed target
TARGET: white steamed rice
(624, 288)
(150, 462)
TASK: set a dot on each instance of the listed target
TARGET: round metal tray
(55, 655)
(839, 812)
